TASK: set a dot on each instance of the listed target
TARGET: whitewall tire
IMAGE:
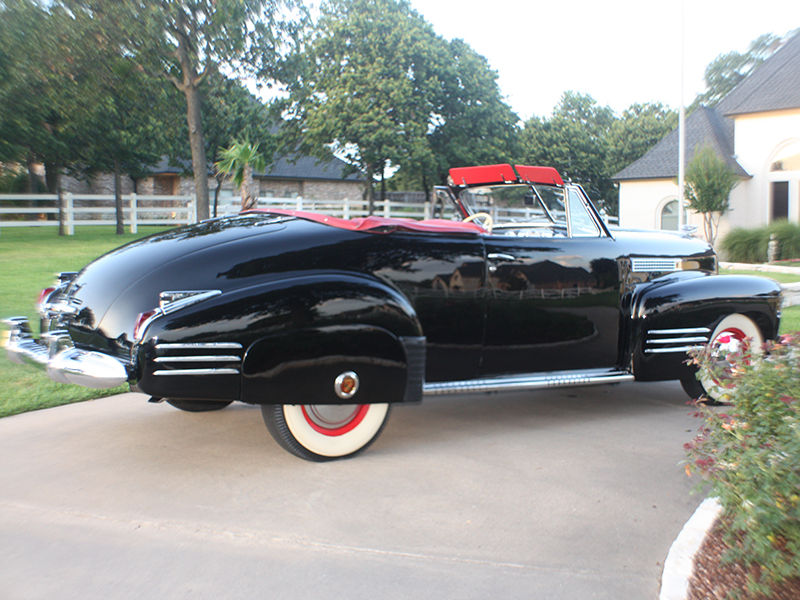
(321, 432)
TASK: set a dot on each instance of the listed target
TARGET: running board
(527, 382)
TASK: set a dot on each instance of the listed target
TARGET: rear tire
(198, 405)
(324, 432)
(728, 336)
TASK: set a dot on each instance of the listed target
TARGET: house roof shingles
(291, 167)
(704, 127)
(774, 85)
(308, 167)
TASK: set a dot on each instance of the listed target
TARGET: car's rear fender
(681, 311)
(326, 311)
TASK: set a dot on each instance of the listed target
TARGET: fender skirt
(301, 367)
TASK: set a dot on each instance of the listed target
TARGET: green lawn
(29, 259)
(779, 277)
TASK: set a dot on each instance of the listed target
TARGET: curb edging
(679, 566)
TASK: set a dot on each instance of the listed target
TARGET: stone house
(755, 129)
(287, 177)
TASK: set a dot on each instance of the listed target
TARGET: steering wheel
(488, 222)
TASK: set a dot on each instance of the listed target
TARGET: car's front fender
(675, 313)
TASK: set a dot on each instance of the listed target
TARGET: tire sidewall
(328, 447)
(756, 340)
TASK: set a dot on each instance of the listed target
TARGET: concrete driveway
(570, 493)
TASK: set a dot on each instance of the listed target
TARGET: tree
(574, 141)
(232, 113)
(631, 136)
(473, 123)
(728, 70)
(369, 88)
(239, 161)
(185, 41)
(32, 59)
(708, 185)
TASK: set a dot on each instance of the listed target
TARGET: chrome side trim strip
(532, 381)
(199, 346)
(682, 340)
(220, 358)
(686, 340)
(681, 349)
(196, 372)
(687, 331)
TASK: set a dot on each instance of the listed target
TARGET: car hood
(636, 242)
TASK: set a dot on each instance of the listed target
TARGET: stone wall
(101, 184)
(168, 185)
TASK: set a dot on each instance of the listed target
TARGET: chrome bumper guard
(63, 363)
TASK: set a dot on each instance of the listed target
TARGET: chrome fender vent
(224, 358)
(664, 341)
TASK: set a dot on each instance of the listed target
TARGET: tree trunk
(197, 142)
(33, 182)
(62, 205)
(247, 187)
(383, 182)
(118, 197)
(51, 177)
(371, 190)
(216, 195)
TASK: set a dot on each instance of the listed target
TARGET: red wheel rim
(730, 334)
(326, 425)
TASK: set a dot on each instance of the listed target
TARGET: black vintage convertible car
(326, 323)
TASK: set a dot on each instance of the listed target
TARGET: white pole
(681, 131)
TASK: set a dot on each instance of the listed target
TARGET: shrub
(746, 245)
(749, 453)
(752, 245)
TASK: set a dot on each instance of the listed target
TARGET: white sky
(618, 51)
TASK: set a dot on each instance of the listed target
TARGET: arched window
(787, 159)
(669, 216)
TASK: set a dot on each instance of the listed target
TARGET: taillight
(142, 321)
(44, 295)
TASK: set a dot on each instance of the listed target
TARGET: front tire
(322, 432)
(728, 336)
(198, 405)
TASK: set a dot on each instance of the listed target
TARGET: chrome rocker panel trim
(63, 363)
(527, 382)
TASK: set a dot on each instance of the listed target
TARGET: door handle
(501, 256)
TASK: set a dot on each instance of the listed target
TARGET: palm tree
(240, 161)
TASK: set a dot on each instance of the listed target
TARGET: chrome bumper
(63, 363)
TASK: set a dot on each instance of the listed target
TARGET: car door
(553, 296)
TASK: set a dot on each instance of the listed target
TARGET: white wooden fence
(34, 210)
(30, 210)
(80, 209)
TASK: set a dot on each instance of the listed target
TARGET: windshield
(521, 209)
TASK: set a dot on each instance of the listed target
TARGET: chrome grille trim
(678, 340)
(655, 265)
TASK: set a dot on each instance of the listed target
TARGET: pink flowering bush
(748, 451)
